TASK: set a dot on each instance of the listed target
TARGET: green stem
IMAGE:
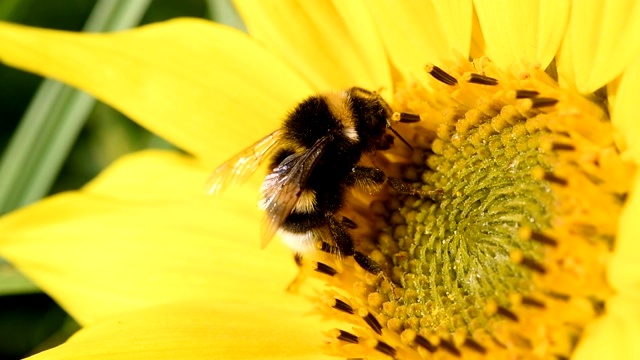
(223, 12)
(53, 120)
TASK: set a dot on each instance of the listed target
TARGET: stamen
(405, 117)
(544, 239)
(385, 348)
(498, 342)
(449, 347)
(542, 102)
(507, 313)
(343, 306)
(533, 265)
(440, 74)
(348, 337)
(474, 78)
(599, 306)
(325, 269)
(555, 179)
(504, 258)
(373, 323)
(558, 295)
(518, 257)
(526, 94)
(472, 344)
(422, 341)
(532, 302)
(562, 147)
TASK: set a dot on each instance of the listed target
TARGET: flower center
(510, 260)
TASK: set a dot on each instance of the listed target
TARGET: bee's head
(370, 114)
(373, 116)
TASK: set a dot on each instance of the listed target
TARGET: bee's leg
(348, 223)
(385, 142)
(346, 246)
(294, 285)
(372, 180)
(405, 188)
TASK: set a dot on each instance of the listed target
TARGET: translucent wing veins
(240, 167)
(281, 189)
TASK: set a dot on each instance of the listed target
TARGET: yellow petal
(614, 336)
(478, 44)
(190, 81)
(624, 267)
(333, 46)
(418, 32)
(624, 113)
(529, 31)
(602, 38)
(144, 234)
(200, 330)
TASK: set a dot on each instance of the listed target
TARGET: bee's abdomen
(299, 223)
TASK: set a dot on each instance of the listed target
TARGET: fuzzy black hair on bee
(314, 159)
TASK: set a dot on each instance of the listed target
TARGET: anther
(498, 342)
(543, 102)
(544, 239)
(449, 347)
(533, 265)
(325, 269)
(598, 305)
(440, 74)
(558, 295)
(474, 78)
(562, 147)
(526, 94)
(474, 345)
(622, 197)
(347, 337)
(373, 323)
(405, 117)
(554, 179)
(422, 341)
(343, 306)
(507, 313)
(584, 229)
(527, 301)
(385, 348)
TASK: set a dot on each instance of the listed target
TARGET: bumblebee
(314, 159)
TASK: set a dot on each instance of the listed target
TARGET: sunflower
(530, 252)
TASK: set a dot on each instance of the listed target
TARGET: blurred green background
(54, 138)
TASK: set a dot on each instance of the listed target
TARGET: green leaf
(12, 281)
(223, 12)
(54, 119)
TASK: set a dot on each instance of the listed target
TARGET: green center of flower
(452, 256)
(509, 261)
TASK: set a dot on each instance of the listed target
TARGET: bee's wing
(240, 167)
(282, 188)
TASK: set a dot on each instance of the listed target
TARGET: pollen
(510, 260)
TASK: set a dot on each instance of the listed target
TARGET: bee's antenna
(399, 136)
(403, 118)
